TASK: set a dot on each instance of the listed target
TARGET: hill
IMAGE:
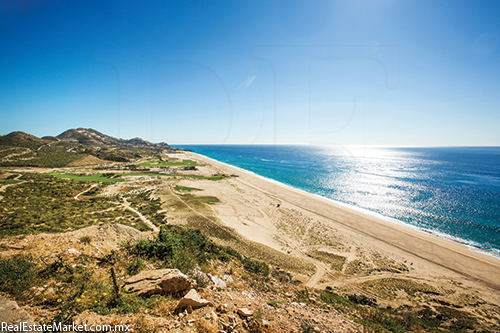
(21, 139)
(89, 136)
(23, 149)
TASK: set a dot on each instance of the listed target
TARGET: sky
(352, 72)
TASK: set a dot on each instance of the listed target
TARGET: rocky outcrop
(11, 314)
(193, 300)
(160, 281)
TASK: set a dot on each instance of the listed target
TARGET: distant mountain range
(83, 136)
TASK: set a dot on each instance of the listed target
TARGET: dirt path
(5, 186)
(17, 154)
(91, 187)
(144, 219)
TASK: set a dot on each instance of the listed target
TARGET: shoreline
(456, 240)
(417, 242)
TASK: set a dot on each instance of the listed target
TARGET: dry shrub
(143, 325)
(86, 239)
(240, 286)
(205, 326)
(165, 307)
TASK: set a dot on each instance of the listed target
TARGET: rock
(244, 312)
(192, 299)
(218, 282)
(227, 278)
(363, 300)
(200, 276)
(160, 281)
(189, 309)
(222, 308)
(73, 251)
(11, 314)
(214, 316)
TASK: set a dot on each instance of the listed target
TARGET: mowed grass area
(98, 177)
(108, 178)
(179, 188)
(9, 181)
(156, 163)
(174, 176)
(206, 199)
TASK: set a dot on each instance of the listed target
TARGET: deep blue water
(454, 192)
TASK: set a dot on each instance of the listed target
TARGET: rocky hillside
(115, 275)
(22, 149)
(89, 136)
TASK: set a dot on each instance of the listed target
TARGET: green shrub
(17, 275)
(255, 266)
(86, 239)
(136, 266)
(183, 247)
(274, 304)
(307, 328)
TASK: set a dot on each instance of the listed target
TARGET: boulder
(11, 314)
(160, 281)
(193, 300)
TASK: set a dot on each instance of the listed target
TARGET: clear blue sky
(361, 72)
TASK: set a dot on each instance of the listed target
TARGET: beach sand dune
(349, 249)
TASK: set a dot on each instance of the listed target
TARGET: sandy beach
(348, 248)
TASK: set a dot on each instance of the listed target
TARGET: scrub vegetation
(43, 203)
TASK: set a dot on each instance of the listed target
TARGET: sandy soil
(348, 248)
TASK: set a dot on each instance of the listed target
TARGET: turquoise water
(453, 192)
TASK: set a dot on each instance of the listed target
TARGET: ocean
(451, 192)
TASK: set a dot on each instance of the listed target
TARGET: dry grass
(359, 267)
(165, 306)
(143, 325)
(229, 237)
(383, 263)
(336, 262)
(389, 287)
